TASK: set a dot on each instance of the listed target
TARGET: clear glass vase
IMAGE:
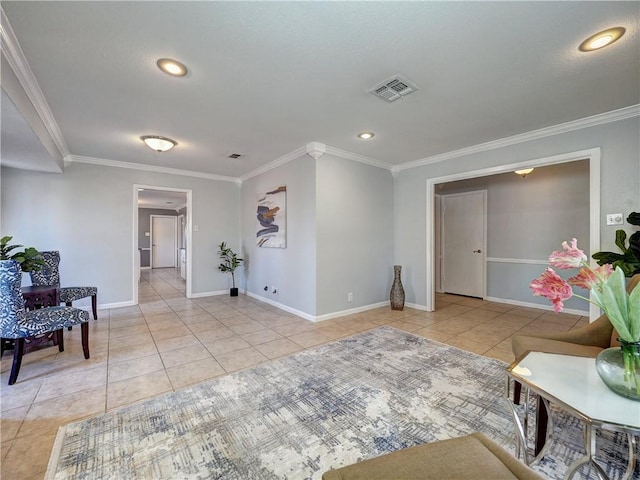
(619, 369)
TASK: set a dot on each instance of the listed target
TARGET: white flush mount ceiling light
(172, 67)
(159, 144)
(524, 172)
(601, 39)
(366, 135)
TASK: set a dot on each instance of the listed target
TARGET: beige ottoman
(474, 457)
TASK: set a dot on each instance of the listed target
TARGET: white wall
(354, 212)
(620, 187)
(87, 213)
(291, 269)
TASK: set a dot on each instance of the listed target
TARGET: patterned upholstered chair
(49, 275)
(18, 324)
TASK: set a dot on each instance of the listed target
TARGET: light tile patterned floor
(168, 342)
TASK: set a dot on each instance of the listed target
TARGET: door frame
(592, 154)
(483, 286)
(175, 236)
(136, 263)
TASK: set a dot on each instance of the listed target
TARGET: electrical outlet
(274, 290)
(350, 297)
(266, 288)
(614, 219)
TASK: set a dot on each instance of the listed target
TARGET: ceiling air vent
(393, 88)
(235, 155)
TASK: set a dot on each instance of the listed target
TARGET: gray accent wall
(354, 215)
(291, 269)
(87, 214)
(619, 188)
(339, 238)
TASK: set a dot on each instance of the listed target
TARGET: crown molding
(337, 152)
(594, 120)
(297, 153)
(147, 168)
(15, 57)
(316, 149)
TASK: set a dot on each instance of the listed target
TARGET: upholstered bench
(474, 457)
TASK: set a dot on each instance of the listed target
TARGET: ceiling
(267, 78)
(164, 199)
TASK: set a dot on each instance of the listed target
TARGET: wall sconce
(524, 172)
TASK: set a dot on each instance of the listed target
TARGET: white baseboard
(105, 306)
(211, 294)
(316, 318)
(416, 306)
(351, 311)
(281, 306)
(518, 303)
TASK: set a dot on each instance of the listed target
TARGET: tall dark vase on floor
(397, 292)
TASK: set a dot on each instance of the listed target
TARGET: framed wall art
(272, 218)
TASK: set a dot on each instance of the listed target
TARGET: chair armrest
(596, 334)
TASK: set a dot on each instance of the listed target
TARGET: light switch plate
(614, 219)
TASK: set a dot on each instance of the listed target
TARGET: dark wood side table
(39, 297)
(34, 298)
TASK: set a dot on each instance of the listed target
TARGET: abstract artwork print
(272, 218)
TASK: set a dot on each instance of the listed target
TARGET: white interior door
(163, 241)
(463, 243)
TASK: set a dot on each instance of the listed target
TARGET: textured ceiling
(269, 77)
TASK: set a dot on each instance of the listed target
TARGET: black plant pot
(233, 292)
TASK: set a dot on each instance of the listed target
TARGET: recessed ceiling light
(157, 143)
(601, 39)
(172, 67)
(366, 135)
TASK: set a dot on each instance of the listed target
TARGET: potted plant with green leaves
(229, 262)
(29, 259)
(629, 259)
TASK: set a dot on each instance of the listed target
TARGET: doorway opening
(162, 235)
(432, 213)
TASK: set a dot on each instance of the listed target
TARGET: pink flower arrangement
(607, 288)
(608, 291)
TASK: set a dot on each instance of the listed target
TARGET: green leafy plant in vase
(229, 262)
(629, 259)
(30, 259)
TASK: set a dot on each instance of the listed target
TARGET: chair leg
(60, 338)
(68, 304)
(84, 328)
(18, 351)
(94, 306)
(541, 426)
(517, 389)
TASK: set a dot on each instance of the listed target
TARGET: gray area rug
(296, 417)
